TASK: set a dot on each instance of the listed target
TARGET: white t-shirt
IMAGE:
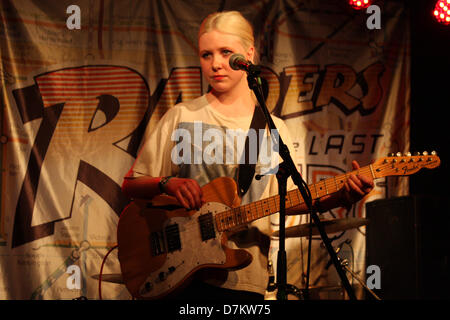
(193, 140)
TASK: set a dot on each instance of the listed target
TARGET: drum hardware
(303, 230)
(344, 264)
(291, 290)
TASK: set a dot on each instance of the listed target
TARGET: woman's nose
(216, 63)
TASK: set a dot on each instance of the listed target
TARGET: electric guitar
(162, 245)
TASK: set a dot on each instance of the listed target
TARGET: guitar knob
(162, 276)
(408, 154)
(399, 154)
(148, 286)
(417, 153)
(433, 153)
(425, 153)
(391, 154)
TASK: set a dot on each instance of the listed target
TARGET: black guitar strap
(246, 170)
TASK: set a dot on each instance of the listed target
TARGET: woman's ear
(251, 54)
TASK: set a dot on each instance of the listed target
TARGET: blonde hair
(230, 22)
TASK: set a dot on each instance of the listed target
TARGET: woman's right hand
(186, 191)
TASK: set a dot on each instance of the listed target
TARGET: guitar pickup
(157, 243)
(207, 226)
(173, 237)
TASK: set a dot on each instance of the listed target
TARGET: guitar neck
(262, 208)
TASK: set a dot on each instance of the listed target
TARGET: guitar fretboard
(262, 208)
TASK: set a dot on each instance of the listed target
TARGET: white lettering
(374, 20)
(191, 150)
(374, 280)
(74, 20)
(73, 282)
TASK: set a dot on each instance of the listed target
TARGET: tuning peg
(398, 154)
(407, 154)
(425, 153)
(433, 153)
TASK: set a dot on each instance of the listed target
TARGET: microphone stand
(285, 169)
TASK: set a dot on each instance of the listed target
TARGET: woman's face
(215, 49)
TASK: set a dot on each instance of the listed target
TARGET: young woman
(229, 105)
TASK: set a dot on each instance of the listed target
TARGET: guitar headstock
(404, 164)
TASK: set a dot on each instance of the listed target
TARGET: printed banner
(81, 82)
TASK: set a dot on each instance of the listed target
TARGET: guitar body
(162, 245)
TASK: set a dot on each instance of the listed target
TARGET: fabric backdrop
(75, 103)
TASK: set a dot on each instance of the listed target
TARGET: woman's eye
(205, 55)
(227, 52)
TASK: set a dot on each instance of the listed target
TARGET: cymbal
(323, 288)
(112, 277)
(323, 292)
(331, 226)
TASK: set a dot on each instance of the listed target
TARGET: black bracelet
(163, 182)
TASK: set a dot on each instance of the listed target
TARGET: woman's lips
(219, 77)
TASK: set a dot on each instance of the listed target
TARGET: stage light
(442, 11)
(359, 4)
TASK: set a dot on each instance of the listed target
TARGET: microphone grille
(233, 60)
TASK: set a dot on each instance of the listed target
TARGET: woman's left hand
(356, 187)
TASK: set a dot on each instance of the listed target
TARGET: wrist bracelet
(163, 182)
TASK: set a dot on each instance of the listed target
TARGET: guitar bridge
(158, 241)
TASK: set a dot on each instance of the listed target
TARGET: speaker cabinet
(408, 239)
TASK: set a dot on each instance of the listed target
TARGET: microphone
(238, 62)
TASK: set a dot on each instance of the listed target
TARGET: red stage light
(442, 11)
(359, 4)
